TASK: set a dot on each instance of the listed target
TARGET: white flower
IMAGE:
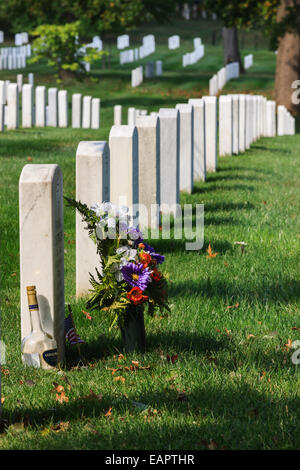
(116, 270)
(127, 252)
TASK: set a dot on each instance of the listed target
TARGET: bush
(60, 46)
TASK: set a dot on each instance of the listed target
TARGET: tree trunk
(231, 47)
(287, 65)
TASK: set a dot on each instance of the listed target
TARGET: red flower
(141, 246)
(145, 258)
(156, 275)
(136, 296)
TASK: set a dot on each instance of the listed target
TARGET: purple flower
(159, 258)
(136, 275)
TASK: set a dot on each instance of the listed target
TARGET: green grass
(233, 381)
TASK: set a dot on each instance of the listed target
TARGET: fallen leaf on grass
(5, 371)
(172, 358)
(88, 316)
(62, 426)
(61, 397)
(2, 400)
(233, 306)
(228, 333)
(108, 412)
(288, 345)
(119, 378)
(263, 375)
(210, 252)
(250, 336)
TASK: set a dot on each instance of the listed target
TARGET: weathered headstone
(186, 153)
(211, 132)
(149, 170)
(92, 185)
(31, 79)
(27, 106)
(158, 68)
(42, 248)
(95, 113)
(12, 106)
(271, 119)
(76, 110)
(20, 82)
(281, 118)
(124, 179)
(86, 112)
(225, 125)
(248, 134)
(117, 115)
(62, 108)
(235, 124)
(199, 139)
(52, 107)
(131, 117)
(40, 106)
(242, 122)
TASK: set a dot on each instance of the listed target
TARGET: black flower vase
(133, 329)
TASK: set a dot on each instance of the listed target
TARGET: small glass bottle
(39, 349)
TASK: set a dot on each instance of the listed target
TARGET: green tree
(60, 46)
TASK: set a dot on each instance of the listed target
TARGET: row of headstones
(55, 114)
(147, 48)
(16, 51)
(219, 80)
(248, 61)
(193, 57)
(132, 114)
(147, 163)
(20, 38)
(152, 69)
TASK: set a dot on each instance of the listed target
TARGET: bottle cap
(29, 288)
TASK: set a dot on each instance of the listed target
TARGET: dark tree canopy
(95, 16)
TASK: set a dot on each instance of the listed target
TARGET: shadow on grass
(221, 187)
(233, 415)
(283, 291)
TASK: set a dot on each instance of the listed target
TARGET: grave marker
(92, 185)
(42, 248)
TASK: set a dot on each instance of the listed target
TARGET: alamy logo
(296, 93)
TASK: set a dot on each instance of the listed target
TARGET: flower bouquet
(130, 280)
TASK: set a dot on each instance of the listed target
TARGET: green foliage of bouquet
(130, 276)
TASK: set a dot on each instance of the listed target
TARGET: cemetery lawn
(220, 374)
